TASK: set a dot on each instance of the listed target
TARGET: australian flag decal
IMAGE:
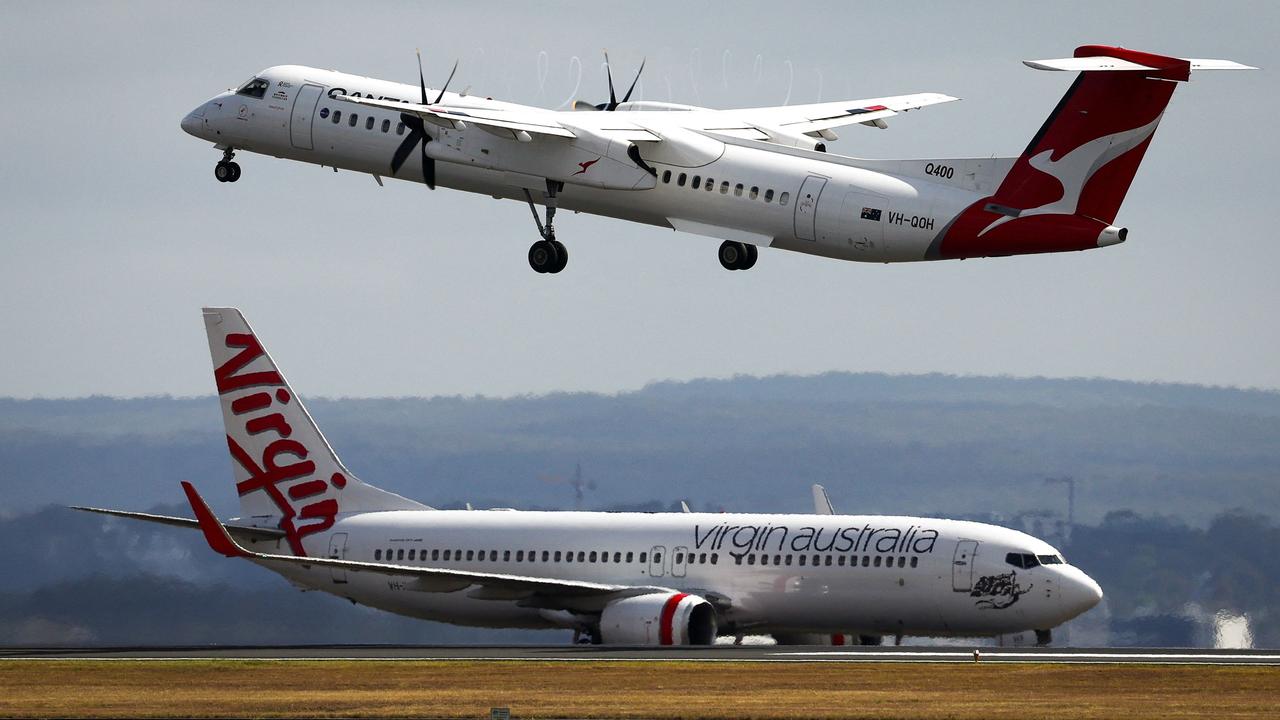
(871, 214)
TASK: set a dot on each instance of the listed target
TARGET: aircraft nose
(1080, 593)
(193, 122)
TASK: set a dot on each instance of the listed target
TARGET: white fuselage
(819, 574)
(760, 193)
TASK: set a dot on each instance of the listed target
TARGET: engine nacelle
(659, 619)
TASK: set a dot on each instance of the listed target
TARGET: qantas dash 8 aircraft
(619, 578)
(757, 177)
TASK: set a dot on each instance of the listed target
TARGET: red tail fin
(1066, 188)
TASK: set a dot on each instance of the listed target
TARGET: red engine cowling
(659, 619)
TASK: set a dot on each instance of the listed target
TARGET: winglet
(216, 535)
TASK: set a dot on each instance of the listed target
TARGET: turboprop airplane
(754, 177)
(678, 578)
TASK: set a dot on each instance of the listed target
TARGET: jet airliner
(619, 578)
(753, 177)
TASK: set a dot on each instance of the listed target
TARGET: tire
(235, 172)
(749, 260)
(543, 257)
(731, 255)
(562, 253)
(222, 171)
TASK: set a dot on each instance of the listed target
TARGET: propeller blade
(446, 82)
(422, 83)
(417, 133)
(627, 97)
(613, 99)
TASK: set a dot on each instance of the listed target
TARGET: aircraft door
(962, 565)
(807, 207)
(304, 113)
(656, 567)
(679, 561)
(338, 551)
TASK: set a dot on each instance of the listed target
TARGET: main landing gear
(226, 170)
(738, 256)
(548, 255)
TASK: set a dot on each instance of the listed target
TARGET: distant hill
(880, 443)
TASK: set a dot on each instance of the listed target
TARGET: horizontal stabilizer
(253, 534)
(1098, 58)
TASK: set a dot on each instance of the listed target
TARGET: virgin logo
(283, 472)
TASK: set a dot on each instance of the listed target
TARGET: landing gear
(548, 255)
(226, 170)
(1044, 638)
(738, 256)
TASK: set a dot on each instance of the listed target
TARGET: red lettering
(225, 375)
(274, 421)
(307, 489)
(249, 403)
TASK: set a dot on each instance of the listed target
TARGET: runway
(719, 653)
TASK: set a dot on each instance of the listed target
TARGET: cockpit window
(1027, 560)
(255, 88)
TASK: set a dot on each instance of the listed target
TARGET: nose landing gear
(738, 256)
(548, 255)
(226, 170)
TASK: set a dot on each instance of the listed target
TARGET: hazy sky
(114, 231)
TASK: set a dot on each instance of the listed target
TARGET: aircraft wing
(534, 123)
(538, 592)
(253, 534)
(813, 118)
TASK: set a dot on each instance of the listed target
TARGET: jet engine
(659, 619)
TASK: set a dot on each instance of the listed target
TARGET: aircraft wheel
(563, 253)
(222, 171)
(732, 255)
(235, 171)
(749, 260)
(544, 257)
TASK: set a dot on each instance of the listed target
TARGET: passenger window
(355, 118)
(702, 559)
(399, 127)
(400, 554)
(751, 559)
(506, 556)
(764, 559)
(802, 559)
(914, 561)
(840, 562)
(386, 125)
(680, 180)
(568, 556)
(737, 559)
(827, 562)
(724, 188)
(324, 113)
(412, 553)
(544, 556)
(877, 561)
(657, 557)
(866, 561)
(617, 557)
(737, 190)
(697, 182)
(368, 123)
(337, 116)
(679, 558)
(755, 192)
(471, 554)
(557, 556)
(777, 559)
(629, 556)
(592, 557)
(493, 556)
(642, 558)
(816, 560)
(519, 556)
(582, 556)
(447, 553)
(902, 562)
(788, 560)
(377, 554)
(715, 558)
(604, 557)
(255, 88)
(666, 176)
(783, 198)
(768, 195)
(435, 554)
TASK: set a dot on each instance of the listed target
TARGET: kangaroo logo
(586, 165)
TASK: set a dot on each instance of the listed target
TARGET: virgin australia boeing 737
(628, 578)
(757, 177)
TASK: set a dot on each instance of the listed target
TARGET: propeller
(613, 103)
(417, 134)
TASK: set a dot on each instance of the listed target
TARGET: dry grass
(454, 689)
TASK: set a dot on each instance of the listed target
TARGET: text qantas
(780, 538)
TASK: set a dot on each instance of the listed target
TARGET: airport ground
(467, 688)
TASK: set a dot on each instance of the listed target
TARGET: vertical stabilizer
(286, 474)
